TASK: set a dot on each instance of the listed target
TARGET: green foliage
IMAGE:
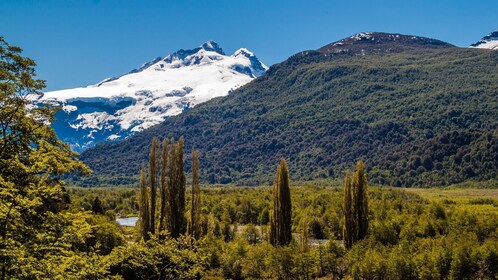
(166, 167)
(409, 237)
(120, 202)
(176, 204)
(105, 236)
(195, 209)
(280, 220)
(360, 202)
(355, 206)
(304, 234)
(97, 207)
(251, 234)
(34, 225)
(144, 207)
(348, 224)
(157, 259)
(153, 182)
(164, 210)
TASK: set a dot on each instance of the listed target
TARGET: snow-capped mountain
(489, 41)
(118, 107)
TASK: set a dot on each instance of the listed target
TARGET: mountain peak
(212, 46)
(207, 53)
(380, 42)
(489, 41)
(243, 51)
(187, 57)
(254, 68)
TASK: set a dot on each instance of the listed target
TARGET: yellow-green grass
(464, 194)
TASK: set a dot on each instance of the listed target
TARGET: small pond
(129, 222)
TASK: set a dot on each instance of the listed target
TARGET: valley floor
(414, 234)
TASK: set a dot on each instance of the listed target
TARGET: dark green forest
(423, 115)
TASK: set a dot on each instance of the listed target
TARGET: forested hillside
(418, 111)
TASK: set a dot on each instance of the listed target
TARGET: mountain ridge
(423, 116)
(381, 42)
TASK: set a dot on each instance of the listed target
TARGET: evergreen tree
(195, 210)
(280, 220)
(348, 226)
(360, 202)
(97, 207)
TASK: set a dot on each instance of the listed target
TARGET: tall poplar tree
(144, 209)
(180, 182)
(355, 206)
(360, 201)
(153, 176)
(176, 205)
(164, 187)
(280, 220)
(348, 225)
(171, 204)
(305, 231)
(195, 209)
(166, 168)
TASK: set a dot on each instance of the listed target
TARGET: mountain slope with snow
(121, 106)
(489, 41)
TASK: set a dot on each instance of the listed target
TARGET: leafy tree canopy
(32, 159)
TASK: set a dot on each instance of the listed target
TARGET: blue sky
(76, 43)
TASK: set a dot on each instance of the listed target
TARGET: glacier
(118, 107)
